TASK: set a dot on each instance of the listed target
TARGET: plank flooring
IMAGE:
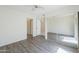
(37, 45)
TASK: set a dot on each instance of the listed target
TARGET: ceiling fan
(37, 7)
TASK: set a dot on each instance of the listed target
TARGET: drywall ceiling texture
(44, 9)
(12, 26)
(61, 25)
(65, 10)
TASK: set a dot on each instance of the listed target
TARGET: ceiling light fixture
(37, 7)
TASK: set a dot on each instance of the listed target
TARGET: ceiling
(45, 9)
(29, 8)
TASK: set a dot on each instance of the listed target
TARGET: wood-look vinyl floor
(37, 45)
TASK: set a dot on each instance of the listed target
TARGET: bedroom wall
(12, 26)
(61, 24)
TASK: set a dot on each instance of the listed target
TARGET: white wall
(12, 26)
(61, 24)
